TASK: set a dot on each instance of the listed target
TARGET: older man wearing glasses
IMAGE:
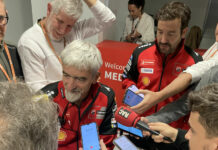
(10, 65)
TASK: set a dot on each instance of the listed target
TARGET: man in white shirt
(206, 71)
(39, 47)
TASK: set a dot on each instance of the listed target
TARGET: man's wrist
(174, 135)
(160, 96)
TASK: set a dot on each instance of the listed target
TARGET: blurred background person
(26, 122)
(139, 27)
(10, 65)
(193, 39)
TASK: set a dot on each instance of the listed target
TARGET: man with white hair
(81, 98)
(39, 47)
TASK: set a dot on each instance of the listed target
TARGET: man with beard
(153, 66)
(39, 47)
(10, 65)
(81, 98)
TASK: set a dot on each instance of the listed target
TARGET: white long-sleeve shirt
(210, 60)
(144, 26)
(40, 65)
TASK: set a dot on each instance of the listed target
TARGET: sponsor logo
(145, 45)
(124, 113)
(62, 136)
(147, 70)
(145, 81)
(147, 62)
(178, 69)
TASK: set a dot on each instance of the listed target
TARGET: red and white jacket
(148, 69)
(99, 106)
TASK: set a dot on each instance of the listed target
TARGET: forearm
(201, 68)
(177, 85)
(90, 3)
(105, 17)
(172, 111)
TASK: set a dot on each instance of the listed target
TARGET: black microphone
(129, 118)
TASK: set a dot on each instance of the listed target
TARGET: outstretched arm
(152, 98)
(102, 18)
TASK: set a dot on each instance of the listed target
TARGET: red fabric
(126, 116)
(151, 66)
(201, 51)
(115, 56)
(68, 138)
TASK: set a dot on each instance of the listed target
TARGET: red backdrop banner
(115, 56)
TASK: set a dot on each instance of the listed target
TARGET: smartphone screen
(123, 143)
(131, 98)
(90, 138)
(131, 130)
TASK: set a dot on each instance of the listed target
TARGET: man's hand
(103, 146)
(165, 130)
(136, 35)
(150, 99)
(145, 133)
(129, 38)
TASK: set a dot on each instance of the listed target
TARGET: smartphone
(90, 138)
(131, 130)
(131, 98)
(123, 143)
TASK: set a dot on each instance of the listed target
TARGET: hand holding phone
(123, 143)
(131, 98)
(132, 130)
(90, 138)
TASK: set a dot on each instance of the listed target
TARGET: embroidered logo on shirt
(62, 136)
(178, 69)
(147, 70)
(97, 112)
(147, 62)
(144, 45)
(101, 113)
(145, 81)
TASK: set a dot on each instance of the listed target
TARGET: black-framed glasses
(4, 19)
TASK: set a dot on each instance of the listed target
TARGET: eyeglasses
(4, 19)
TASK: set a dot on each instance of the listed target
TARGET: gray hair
(205, 102)
(83, 56)
(26, 123)
(70, 7)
